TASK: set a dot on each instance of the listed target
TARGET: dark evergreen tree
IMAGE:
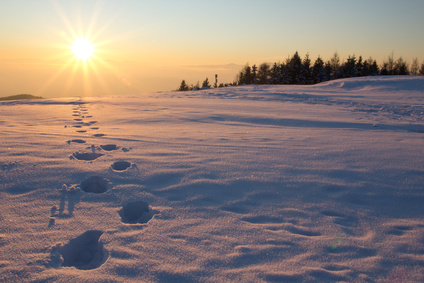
(254, 74)
(359, 67)
(374, 70)
(197, 86)
(401, 67)
(422, 70)
(275, 74)
(294, 69)
(240, 78)
(263, 75)
(366, 69)
(183, 86)
(206, 83)
(306, 71)
(248, 75)
(348, 69)
(318, 71)
(385, 69)
(284, 74)
(328, 71)
(245, 76)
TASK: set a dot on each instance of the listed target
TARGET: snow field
(251, 183)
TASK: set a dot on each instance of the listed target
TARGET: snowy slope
(251, 184)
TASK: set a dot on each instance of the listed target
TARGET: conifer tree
(374, 69)
(240, 78)
(206, 83)
(422, 70)
(248, 75)
(400, 67)
(384, 69)
(254, 74)
(294, 69)
(263, 74)
(306, 70)
(284, 74)
(359, 67)
(328, 71)
(318, 71)
(183, 86)
(348, 69)
(275, 74)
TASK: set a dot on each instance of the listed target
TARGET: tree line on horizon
(295, 70)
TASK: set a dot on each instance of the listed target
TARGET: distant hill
(20, 96)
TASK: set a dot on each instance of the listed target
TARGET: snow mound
(378, 83)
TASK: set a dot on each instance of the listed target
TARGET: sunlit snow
(240, 184)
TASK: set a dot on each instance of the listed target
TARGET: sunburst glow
(84, 68)
(83, 49)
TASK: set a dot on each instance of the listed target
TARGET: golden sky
(146, 46)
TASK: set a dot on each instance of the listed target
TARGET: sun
(82, 49)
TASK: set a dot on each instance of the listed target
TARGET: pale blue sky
(165, 35)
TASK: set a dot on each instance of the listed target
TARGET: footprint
(84, 252)
(95, 184)
(87, 156)
(109, 147)
(99, 135)
(352, 251)
(399, 230)
(92, 122)
(303, 232)
(263, 220)
(136, 212)
(81, 131)
(76, 141)
(78, 119)
(120, 165)
(94, 128)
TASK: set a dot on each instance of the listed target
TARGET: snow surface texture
(241, 184)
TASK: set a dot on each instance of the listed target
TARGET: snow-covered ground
(240, 184)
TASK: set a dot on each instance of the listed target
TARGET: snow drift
(250, 183)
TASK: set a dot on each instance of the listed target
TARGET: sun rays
(82, 58)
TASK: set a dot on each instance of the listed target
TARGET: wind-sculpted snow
(398, 84)
(319, 183)
(387, 96)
